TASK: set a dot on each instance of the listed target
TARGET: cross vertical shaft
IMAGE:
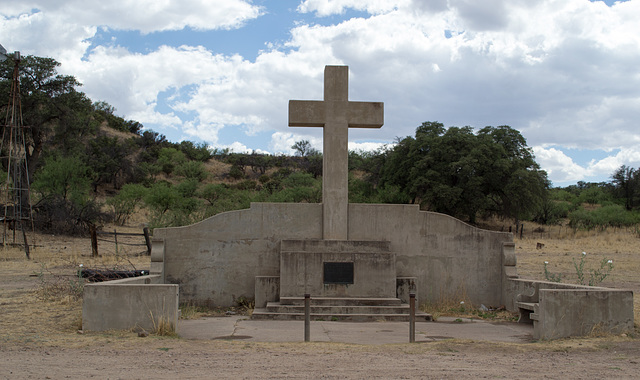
(335, 114)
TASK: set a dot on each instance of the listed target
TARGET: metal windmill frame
(15, 189)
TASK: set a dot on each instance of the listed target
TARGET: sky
(565, 73)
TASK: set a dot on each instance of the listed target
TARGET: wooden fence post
(147, 239)
(94, 240)
(115, 236)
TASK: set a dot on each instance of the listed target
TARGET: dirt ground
(40, 325)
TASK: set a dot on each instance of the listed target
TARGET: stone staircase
(339, 309)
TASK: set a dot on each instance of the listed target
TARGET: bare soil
(40, 327)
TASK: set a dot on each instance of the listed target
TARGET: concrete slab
(241, 328)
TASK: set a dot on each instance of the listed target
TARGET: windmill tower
(15, 197)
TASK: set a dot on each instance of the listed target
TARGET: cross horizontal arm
(311, 113)
(366, 114)
(306, 113)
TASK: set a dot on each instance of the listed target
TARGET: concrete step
(259, 314)
(338, 301)
(339, 309)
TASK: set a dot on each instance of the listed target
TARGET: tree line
(90, 166)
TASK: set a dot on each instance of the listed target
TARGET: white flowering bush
(595, 276)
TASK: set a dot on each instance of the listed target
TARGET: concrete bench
(559, 310)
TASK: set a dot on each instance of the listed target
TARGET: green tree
(169, 158)
(107, 158)
(161, 197)
(126, 201)
(50, 102)
(197, 152)
(192, 170)
(303, 148)
(63, 184)
(454, 171)
(626, 181)
(66, 177)
(214, 192)
(516, 184)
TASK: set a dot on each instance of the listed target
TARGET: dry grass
(39, 300)
(620, 245)
(30, 317)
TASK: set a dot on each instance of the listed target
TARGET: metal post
(307, 317)
(412, 317)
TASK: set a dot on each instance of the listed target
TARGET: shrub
(247, 184)
(298, 179)
(126, 201)
(212, 192)
(297, 195)
(608, 216)
(187, 188)
(235, 200)
(236, 172)
(64, 177)
(169, 158)
(57, 215)
(192, 170)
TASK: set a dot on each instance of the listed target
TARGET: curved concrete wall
(449, 258)
(216, 261)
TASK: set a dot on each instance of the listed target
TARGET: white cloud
(481, 15)
(63, 28)
(564, 72)
(559, 166)
(151, 15)
(562, 169)
(281, 142)
(366, 146)
(606, 166)
(331, 7)
(238, 147)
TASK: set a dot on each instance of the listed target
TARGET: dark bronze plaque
(338, 273)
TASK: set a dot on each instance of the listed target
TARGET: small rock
(229, 312)
(484, 308)
(143, 334)
(80, 332)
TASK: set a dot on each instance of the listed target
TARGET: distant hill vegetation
(88, 166)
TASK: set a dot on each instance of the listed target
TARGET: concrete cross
(335, 114)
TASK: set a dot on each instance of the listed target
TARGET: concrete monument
(358, 261)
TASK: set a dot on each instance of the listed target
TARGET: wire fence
(564, 231)
(116, 242)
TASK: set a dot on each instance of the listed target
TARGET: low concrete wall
(578, 312)
(217, 260)
(563, 310)
(127, 303)
(525, 290)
